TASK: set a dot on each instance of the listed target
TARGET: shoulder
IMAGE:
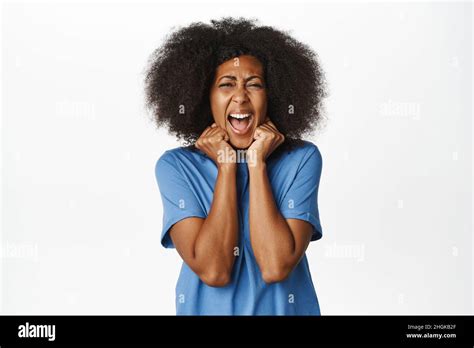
(175, 158)
(301, 152)
(307, 148)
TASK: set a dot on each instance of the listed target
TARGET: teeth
(239, 116)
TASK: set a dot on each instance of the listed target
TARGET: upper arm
(302, 232)
(179, 201)
(300, 202)
(183, 235)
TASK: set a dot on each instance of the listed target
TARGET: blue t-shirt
(186, 178)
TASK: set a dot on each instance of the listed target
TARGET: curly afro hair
(181, 71)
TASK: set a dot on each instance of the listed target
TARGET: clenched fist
(214, 143)
(266, 139)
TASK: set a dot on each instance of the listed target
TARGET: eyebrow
(234, 78)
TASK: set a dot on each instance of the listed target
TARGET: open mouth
(240, 123)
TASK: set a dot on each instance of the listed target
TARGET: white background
(81, 211)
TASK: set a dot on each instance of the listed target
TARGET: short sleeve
(179, 202)
(301, 200)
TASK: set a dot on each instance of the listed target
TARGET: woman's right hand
(214, 143)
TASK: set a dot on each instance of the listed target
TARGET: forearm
(218, 235)
(271, 238)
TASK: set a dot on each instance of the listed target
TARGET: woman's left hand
(267, 139)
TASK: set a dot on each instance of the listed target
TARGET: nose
(240, 96)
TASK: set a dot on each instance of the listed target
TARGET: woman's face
(239, 99)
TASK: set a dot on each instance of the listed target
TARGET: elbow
(275, 275)
(216, 279)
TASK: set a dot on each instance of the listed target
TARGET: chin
(241, 144)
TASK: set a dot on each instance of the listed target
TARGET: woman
(240, 202)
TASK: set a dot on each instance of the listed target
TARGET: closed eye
(253, 85)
